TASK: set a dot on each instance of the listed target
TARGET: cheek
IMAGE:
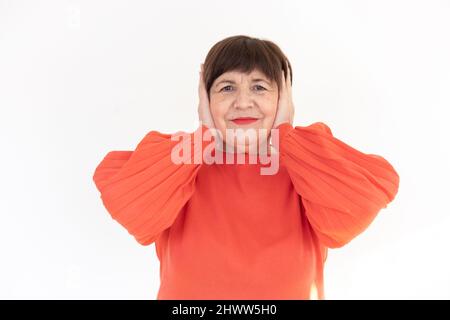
(269, 104)
(218, 112)
(269, 109)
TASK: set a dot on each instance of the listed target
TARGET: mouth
(244, 120)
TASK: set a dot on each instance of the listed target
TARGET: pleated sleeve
(145, 189)
(341, 188)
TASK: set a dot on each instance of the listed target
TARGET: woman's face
(235, 95)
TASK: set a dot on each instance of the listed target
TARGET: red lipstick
(244, 120)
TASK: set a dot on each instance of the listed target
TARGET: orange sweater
(224, 231)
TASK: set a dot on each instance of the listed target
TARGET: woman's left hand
(285, 109)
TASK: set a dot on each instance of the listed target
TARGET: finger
(281, 89)
(289, 76)
(289, 83)
(202, 92)
(288, 73)
(202, 76)
(201, 83)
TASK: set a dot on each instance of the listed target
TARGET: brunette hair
(244, 53)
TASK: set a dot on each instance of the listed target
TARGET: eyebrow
(231, 81)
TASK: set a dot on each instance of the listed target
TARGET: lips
(244, 120)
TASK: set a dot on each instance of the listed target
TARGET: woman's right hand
(204, 112)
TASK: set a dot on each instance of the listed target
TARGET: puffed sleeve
(341, 188)
(145, 189)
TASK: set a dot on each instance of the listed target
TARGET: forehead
(238, 75)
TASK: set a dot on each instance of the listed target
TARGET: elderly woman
(224, 230)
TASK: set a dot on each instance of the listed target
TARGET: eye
(261, 87)
(224, 88)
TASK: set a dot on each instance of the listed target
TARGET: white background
(81, 78)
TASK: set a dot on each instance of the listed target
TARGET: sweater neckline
(242, 159)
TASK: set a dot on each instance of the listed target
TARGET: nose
(243, 100)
